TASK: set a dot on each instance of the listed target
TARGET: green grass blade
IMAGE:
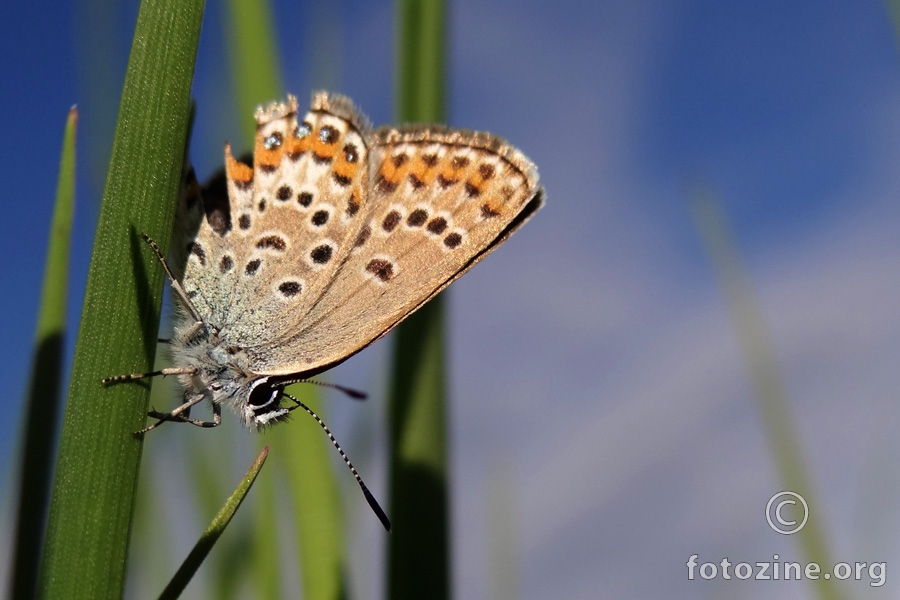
(97, 466)
(208, 539)
(42, 404)
(774, 408)
(418, 552)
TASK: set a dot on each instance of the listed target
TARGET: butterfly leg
(185, 418)
(174, 282)
(134, 376)
(180, 413)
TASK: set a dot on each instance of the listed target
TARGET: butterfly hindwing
(291, 218)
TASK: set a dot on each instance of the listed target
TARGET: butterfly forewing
(438, 201)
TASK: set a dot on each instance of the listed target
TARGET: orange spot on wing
(424, 171)
(452, 169)
(235, 170)
(490, 209)
(394, 168)
(476, 184)
(265, 158)
(295, 146)
(493, 196)
(448, 173)
(325, 149)
(345, 169)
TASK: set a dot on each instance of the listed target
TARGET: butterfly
(334, 235)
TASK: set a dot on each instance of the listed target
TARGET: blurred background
(606, 424)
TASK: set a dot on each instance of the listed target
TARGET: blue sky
(595, 369)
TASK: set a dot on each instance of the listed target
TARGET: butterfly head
(262, 405)
(221, 371)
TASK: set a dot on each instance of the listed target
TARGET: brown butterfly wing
(261, 262)
(439, 201)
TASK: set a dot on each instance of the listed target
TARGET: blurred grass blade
(419, 544)
(255, 73)
(302, 457)
(215, 529)
(894, 11)
(42, 405)
(306, 459)
(760, 355)
(97, 465)
(420, 61)
(99, 70)
(265, 564)
(209, 482)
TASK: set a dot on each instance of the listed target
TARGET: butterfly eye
(262, 394)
